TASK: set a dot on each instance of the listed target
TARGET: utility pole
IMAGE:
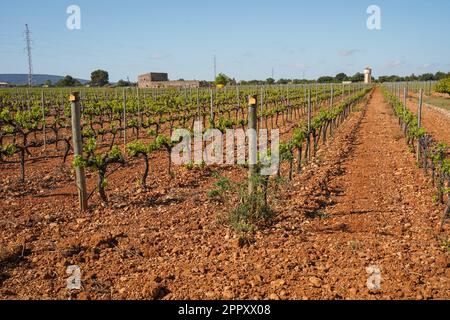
(30, 61)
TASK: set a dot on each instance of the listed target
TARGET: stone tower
(368, 75)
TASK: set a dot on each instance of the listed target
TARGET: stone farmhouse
(161, 80)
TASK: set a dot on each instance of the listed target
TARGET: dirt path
(381, 206)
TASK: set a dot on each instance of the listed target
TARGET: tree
(341, 77)
(439, 76)
(303, 81)
(252, 82)
(326, 79)
(222, 79)
(270, 81)
(283, 81)
(68, 81)
(426, 77)
(392, 78)
(99, 78)
(358, 77)
(48, 83)
(123, 83)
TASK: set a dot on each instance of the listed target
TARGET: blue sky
(297, 38)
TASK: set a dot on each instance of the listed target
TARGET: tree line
(223, 79)
(100, 78)
(424, 77)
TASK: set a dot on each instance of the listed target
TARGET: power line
(30, 60)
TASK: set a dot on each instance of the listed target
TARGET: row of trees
(340, 77)
(424, 77)
(223, 79)
(272, 81)
(67, 81)
(99, 78)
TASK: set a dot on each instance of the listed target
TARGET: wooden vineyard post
(309, 111)
(211, 110)
(405, 100)
(309, 124)
(139, 113)
(44, 122)
(262, 108)
(332, 96)
(198, 105)
(28, 100)
(124, 120)
(419, 122)
(317, 97)
(252, 142)
(238, 98)
(78, 149)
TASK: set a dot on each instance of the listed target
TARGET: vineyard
(432, 150)
(120, 124)
(155, 230)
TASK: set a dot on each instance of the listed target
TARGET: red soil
(167, 243)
